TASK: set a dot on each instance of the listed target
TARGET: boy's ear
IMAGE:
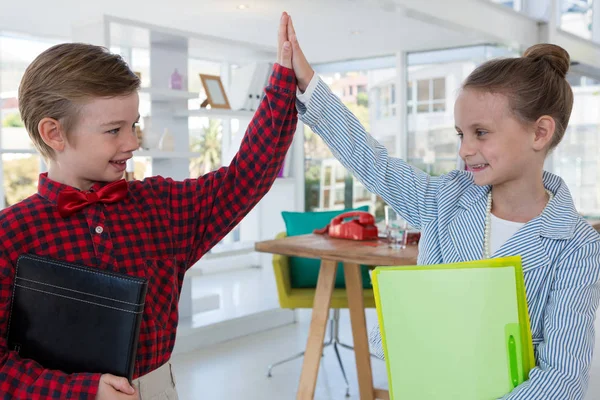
(51, 132)
(544, 132)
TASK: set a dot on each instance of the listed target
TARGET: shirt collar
(49, 189)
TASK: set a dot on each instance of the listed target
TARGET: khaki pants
(157, 385)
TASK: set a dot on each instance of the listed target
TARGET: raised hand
(284, 48)
(302, 68)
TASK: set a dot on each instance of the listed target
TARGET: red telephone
(361, 226)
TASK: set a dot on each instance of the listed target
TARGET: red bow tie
(71, 200)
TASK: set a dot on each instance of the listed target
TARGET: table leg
(382, 394)
(354, 291)
(316, 333)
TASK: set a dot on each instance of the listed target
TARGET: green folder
(454, 331)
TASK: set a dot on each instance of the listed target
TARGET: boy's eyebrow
(119, 122)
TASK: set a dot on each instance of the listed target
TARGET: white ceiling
(324, 27)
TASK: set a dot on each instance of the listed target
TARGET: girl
(509, 115)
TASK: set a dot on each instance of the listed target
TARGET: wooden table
(351, 254)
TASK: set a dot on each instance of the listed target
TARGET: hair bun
(554, 55)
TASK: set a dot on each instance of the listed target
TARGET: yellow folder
(454, 331)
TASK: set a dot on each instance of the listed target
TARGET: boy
(79, 104)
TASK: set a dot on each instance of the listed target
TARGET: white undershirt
(304, 98)
(500, 231)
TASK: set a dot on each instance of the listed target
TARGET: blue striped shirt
(559, 249)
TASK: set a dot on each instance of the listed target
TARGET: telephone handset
(354, 225)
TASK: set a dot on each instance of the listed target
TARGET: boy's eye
(114, 131)
(459, 134)
(480, 132)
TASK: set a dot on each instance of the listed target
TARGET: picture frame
(215, 92)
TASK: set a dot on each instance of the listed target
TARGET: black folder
(74, 318)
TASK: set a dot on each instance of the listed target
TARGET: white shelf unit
(216, 113)
(159, 154)
(165, 95)
(19, 151)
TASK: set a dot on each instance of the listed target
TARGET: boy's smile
(101, 141)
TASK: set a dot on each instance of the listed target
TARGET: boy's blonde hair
(61, 79)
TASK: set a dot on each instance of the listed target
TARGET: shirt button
(99, 229)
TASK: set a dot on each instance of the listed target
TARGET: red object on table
(360, 226)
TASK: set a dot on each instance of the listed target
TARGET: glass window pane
(21, 173)
(371, 100)
(327, 180)
(208, 142)
(14, 134)
(576, 17)
(439, 106)
(515, 5)
(340, 174)
(423, 90)
(576, 158)
(423, 108)
(339, 196)
(439, 89)
(16, 53)
(326, 198)
(409, 90)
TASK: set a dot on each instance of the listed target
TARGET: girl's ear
(544, 132)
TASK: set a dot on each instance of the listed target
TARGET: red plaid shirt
(160, 230)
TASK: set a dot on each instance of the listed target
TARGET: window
(21, 165)
(368, 94)
(576, 158)
(576, 17)
(386, 101)
(430, 95)
(513, 4)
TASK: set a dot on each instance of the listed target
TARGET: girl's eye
(114, 131)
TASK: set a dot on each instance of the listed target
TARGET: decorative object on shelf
(247, 85)
(139, 134)
(150, 139)
(215, 93)
(167, 141)
(176, 82)
(129, 170)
